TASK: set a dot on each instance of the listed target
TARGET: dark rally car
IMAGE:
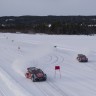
(82, 58)
(35, 74)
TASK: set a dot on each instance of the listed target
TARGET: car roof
(81, 55)
(34, 69)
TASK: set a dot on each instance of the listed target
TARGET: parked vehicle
(35, 74)
(82, 58)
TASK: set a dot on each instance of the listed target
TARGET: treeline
(49, 24)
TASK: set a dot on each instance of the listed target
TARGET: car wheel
(45, 77)
(33, 79)
(79, 59)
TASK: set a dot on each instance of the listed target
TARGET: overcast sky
(47, 7)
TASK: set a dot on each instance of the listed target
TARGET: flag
(57, 67)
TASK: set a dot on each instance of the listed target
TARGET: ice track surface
(77, 79)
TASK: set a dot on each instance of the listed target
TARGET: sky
(47, 7)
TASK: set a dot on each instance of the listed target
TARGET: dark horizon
(49, 15)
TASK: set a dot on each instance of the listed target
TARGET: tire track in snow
(55, 60)
(75, 52)
(7, 58)
(49, 90)
(2, 93)
(13, 83)
(91, 84)
(58, 59)
(42, 87)
(43, 90)
(84, 84)
(57, 88)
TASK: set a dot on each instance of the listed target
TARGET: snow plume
(31, 58)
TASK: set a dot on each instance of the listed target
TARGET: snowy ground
(77, 79)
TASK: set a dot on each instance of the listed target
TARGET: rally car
(82, 58)
(35, 74)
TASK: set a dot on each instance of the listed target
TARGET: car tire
(33, 79)
(45, 77)
(79, 59)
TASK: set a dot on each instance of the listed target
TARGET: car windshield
(38, 71)
(81, 55)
